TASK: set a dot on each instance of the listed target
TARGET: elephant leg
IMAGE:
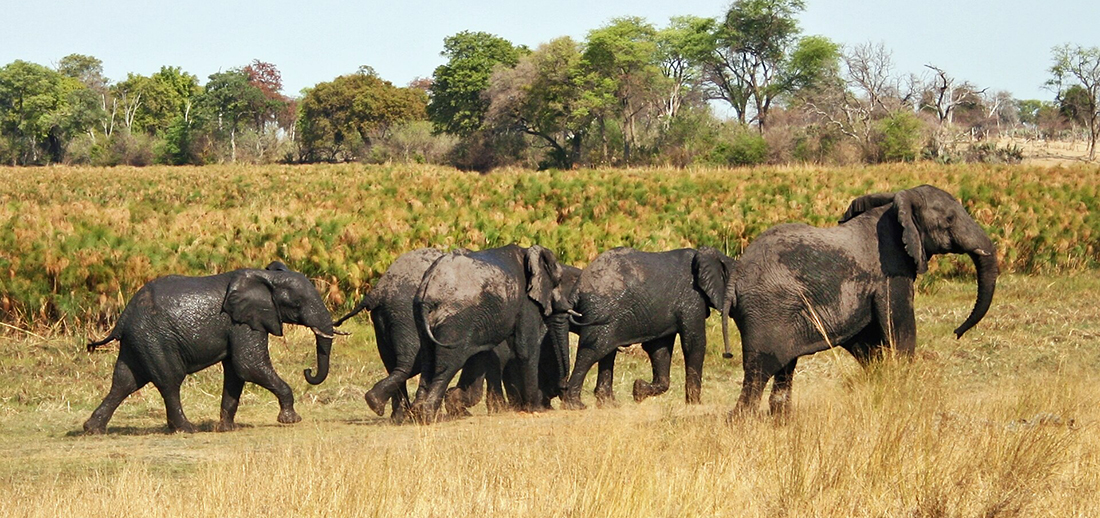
(400, 404)
(660, 359)
(605, 393)
(694, 344)
(894, 311)
(586, 358)
(253, 364)
(780, 399)
(758, 370)
(399, 350)
(470, 387)
(170, 391)
(425, 409)
(123, 383)
(500, 379)
(232, 385)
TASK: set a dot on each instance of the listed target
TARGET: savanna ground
(1003, 422)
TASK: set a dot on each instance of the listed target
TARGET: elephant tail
(115, 335)
(369, 302)
(727, 303)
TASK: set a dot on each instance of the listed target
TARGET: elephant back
(403, 276)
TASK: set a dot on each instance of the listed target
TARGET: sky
(1000, 45)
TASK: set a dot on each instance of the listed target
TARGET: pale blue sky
(1003, 45)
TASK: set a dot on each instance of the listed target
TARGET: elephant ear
(250, 300)
(866, 203)
(910, 234)
(543, 276)
(277, 266)
(710, 273)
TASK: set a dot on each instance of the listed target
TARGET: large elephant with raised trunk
(177, 325)
(798, 289)
(628, 296)
(470, 302)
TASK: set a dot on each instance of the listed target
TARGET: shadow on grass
(201, 427)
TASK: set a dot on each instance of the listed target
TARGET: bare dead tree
(947, 94)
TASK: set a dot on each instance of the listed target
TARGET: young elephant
(500, 370)
(390, 303)
(799, 289)
(470, 302)
(628, 297)
(177, 325)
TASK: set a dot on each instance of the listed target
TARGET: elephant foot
(91, 428)
(606, 402)
(455, 403)
(375, 403)
(225, 426)
(399, 417)
(572, 404)
(289, 416)
(644, 389)
(186, 427)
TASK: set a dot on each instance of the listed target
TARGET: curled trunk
(985, 261)
(324, 350)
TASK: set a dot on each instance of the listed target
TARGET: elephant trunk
(985, 262)
(727, 301)
(559, 338)
(324, 350)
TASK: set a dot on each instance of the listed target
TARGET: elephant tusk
(341, 333)
(322, 334)
(981, 252)
(574, 313)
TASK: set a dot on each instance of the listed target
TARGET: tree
(758, 57)
(550, 95)
(1075, 65)
(232, 99)
(340, 117)
(624, 55)
(32, 98)
(681, 48)
(457, 104)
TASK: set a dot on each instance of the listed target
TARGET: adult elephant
(627, 297)
(390, 303)
(470, 302)
(500, 370)
(177, 325)
(799, 289)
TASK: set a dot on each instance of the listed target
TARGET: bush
(900, 137)
(745, 147)
(128, 149)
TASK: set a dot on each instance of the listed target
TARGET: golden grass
(1000, 423)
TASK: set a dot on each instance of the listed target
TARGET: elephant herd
(502, 316)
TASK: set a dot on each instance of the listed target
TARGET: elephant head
(266, 299)
(549, 284)
(934, 222)
(712, 270)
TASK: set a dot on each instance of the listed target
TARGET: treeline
(743, 88)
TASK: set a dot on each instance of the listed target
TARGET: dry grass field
(1003, 422)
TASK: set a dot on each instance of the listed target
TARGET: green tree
(623, 55)
(1079, 66)
(457, 104)
(759, 58)
(551, 95)
(32, 102)
(231, 100)
(338, 119)
(682, 47)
